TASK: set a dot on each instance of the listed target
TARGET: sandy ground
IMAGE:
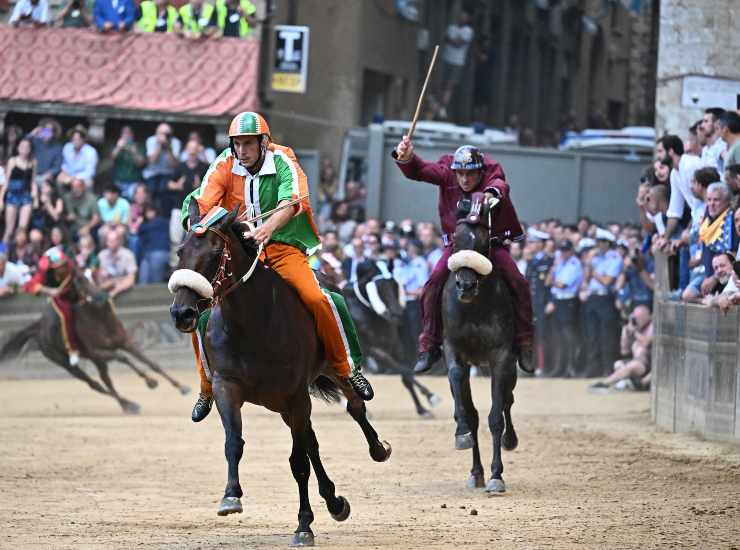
(590, 472)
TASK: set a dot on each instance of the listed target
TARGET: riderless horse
(102, 337)
(478, 316)
(375, 303)
(262, 347)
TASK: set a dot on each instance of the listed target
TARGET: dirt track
(590, 472)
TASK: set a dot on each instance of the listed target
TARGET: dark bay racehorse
(478, 316)
(375, 306)
(262, 348)
(102, 338)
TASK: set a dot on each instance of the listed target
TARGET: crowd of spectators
(590, 282)
(196, 19)
(121, 224)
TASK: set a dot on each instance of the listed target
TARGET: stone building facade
(698, 38)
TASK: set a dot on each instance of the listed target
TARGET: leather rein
(223, 274)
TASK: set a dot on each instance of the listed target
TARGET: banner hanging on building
(290, 69)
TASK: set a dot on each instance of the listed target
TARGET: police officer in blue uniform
(565, 281)
(537, 270)
(601, 330)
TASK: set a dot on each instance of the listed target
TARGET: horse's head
(382, 290)
(471, 243)
(204, 264)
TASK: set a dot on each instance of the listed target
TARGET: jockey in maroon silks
(53, 278)
(457, 176)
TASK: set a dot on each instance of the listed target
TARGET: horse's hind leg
(299, 422)
(408, 382)
(510, 441)
(126, 405)
(229, 402)
(338, 506)
(431, 397)
(466, 418)
(136, 352)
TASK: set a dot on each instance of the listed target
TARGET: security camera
(695, 98)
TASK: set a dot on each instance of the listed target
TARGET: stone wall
(697, 37)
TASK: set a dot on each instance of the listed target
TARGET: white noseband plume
(190, 279)
(470, 259)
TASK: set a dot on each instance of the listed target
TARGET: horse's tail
(325, 389)
(14, 344)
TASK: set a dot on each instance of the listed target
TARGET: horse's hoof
(425, 414)
(476, 481)
(510, 441)
(495, 486)
(464, 441)
(129, 407)
(230, 505)
(151, 383)
(344, 514)
(184, 390)
(302, 538)
(388, 450)
(434, 400)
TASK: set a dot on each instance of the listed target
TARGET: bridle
(473, 218)
(223, 274)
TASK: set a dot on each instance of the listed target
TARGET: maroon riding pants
(63, 309)
(431, 298)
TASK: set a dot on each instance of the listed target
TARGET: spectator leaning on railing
(30, 13)
(717, 232)
(158, 16)
(74, 15)
(196, 16)
(234, 18)
(114, 15)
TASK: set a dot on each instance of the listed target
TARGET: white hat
(604, 235)
(537, 235)
(585, 244)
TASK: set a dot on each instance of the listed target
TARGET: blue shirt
(413, 275)
(609, 263)
(118, 213)
(114, 12)
(569, 273)
(80, 164)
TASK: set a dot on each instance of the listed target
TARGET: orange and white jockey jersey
(229, 184)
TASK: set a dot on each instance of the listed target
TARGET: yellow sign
(287, 82)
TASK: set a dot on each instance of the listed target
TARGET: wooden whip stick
(423, 92)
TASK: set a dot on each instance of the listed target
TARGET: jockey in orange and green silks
(257, 176)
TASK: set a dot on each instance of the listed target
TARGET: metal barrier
(696, 366)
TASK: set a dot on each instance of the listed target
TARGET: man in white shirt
(79, 158)
(28, 13)
(715, 145)
(684, 166)
(457, 41)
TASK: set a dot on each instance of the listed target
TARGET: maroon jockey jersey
(505, 221)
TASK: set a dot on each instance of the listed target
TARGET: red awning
(156, 72)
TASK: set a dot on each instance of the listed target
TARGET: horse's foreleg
(229, 401)
(501, 383)
(432, 397)
(137, 353)
(510, 441)
(299, 421)
(380, 451)
(107, 355)
(466, 418)
(338, 506)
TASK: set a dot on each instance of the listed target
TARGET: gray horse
(478, 316)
